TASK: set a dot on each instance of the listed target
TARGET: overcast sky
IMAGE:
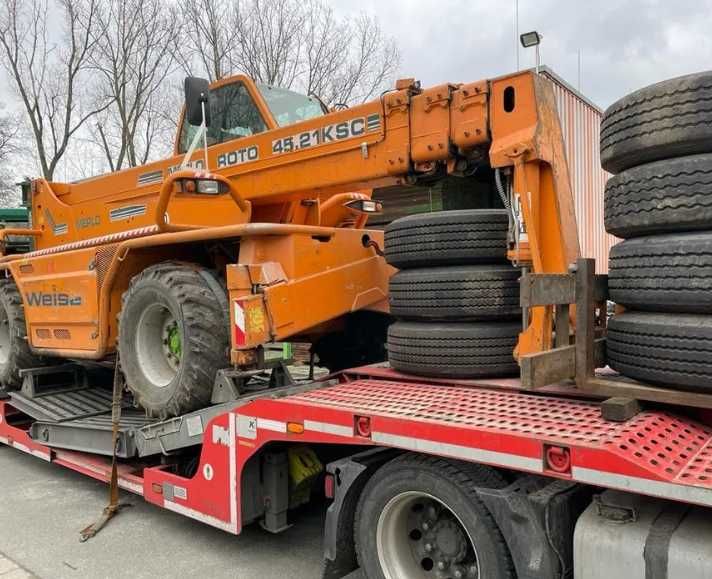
(624, 44)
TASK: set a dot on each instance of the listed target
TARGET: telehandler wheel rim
(420, 537)
(158, 345)
(4, 337)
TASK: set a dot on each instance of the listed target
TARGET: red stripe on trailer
(99, 468)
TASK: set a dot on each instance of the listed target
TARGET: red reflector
(363, 426)
(558, 459)
(329, 486)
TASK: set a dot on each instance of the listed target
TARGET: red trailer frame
(657, 453)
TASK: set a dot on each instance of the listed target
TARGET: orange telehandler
(191, 264)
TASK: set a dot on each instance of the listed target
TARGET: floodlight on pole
(529, 39)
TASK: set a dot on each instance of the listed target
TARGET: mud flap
(537, 518)
(350, 476)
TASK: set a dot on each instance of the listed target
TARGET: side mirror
(197, 91)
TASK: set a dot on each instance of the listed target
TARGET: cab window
(233, 114)
(289, 107)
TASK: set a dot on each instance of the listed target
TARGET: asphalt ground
(43, 507)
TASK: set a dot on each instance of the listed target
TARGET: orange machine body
(294, 254)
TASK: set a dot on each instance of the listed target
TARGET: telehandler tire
(173, 337)
(472, 236)
(672, 350)
(457, 293)
(661, 121)
(663, 197)
(420, 515)
(15, 352)
(663, 273)
(454, 350)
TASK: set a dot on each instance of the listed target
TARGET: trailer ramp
(71, 409)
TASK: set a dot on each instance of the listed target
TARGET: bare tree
(373, 60)
(327, 43)
(209, 40)
(134, 59)
(9, 148)
(269, 47)
(47, 72)
(298, 44)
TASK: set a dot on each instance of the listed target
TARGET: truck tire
(464, 292)
(173, 337)
(664, 273)
(664, 120)
(417, 513)
(668, 349)
(472, 236)
(660, 197)
(15, 352)
(454, 350)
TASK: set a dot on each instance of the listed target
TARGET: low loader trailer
(133, 336)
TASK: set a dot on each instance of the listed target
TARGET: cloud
(624, 44)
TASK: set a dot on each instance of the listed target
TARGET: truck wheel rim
(4, 337)
(158, 345)
(420, 537)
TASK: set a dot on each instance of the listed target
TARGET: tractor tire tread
(206, 317)
(20, 356)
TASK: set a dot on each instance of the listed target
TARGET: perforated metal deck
(654, 446)
(470, 407)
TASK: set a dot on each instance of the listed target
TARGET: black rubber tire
(19, 355)
(198, 302)
(662, 197)
(663, 273)
(454, 350)
(454, 484)
(458, 293)
(472, 236)
(668, 349)
(664, 120)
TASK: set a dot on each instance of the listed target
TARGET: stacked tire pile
(658, 142)
(456, 297)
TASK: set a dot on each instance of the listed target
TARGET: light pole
(529, 39)
(516, 28)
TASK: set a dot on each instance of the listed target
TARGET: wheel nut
(425, 526)
(428, 547)
(442, 565)
(458, 574)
